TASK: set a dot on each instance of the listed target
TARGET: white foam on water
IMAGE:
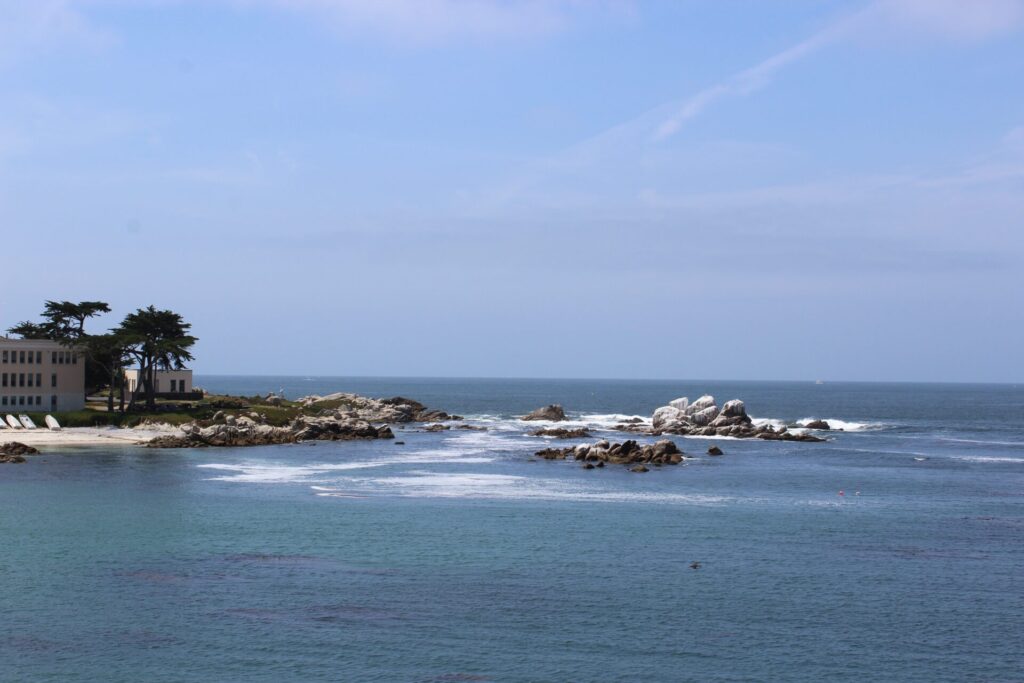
(987, 458)
(846, 426)
(424, 484)
(270, 473)
(275, 473)
(768, 422)
(984, 442)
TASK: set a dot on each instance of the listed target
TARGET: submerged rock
(818, 424)
(714, 450)
(553, 412)
(436, 428)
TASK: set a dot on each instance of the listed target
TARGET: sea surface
(892, 552)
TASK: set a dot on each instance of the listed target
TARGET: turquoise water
(456, 557)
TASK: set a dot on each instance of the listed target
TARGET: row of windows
(21, 379)
(25, 400)
(56, 357)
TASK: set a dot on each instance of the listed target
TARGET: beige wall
(167, 381)
(54, 380)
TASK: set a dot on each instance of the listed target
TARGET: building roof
(32, 343)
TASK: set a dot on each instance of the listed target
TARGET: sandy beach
(85, 436)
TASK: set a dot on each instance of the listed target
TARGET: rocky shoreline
(240, 422)
(337, 417)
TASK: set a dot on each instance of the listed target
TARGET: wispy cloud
(28, 26)
(884, 19)
(437, 20)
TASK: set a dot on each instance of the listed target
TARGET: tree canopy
(63, 321)
(156, 339)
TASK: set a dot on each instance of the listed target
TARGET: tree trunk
(110, 391)
(150, 389)
(122, 392)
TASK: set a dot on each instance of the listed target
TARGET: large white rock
(666, 415)
(705, 416)
(734, 408)
(680, 403)
(705, 401)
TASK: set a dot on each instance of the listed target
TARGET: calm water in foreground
(456, 557)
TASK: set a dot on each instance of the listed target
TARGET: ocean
(894, 551)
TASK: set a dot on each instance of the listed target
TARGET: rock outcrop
(630, 452)
(553, 412)
(394, 410)
(246, 432)
(818, 424)
(703, 417)
(14, 452)
(562, 433)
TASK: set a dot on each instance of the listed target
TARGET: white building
(165, 381)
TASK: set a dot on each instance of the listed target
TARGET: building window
(30, 379)
(74, 358)
(5, 356)
(4, 379)
(39, 379)
(53, 403)
(39, 357)
(21, 400)
(3, 401)
(53, 380)
(31, 357)
(21, 356)
(21, 379)
(53, 357)
(39, 400)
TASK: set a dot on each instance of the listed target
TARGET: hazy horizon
(487, 188)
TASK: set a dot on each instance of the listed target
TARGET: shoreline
(86, 436)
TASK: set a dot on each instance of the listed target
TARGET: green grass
(96, 415)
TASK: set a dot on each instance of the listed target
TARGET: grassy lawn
(179, 412)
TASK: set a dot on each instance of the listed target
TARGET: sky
(716, 189)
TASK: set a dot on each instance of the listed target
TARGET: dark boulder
(714, 450)
(562, 433)
(818, 424)
(14, 452)
(17, 448)
(553, 412)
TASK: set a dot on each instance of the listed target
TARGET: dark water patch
(270, 560)
(912, 552)
(140, 638)
(457, 678)
(318, 614)
(29, 644)
(150, 576)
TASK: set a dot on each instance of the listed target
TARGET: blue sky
(685, 189)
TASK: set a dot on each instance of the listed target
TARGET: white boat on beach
(13, 422)
(52, 423)
(27, 422)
